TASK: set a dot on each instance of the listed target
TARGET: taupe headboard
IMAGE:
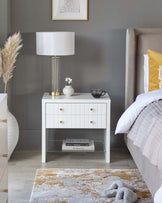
(138, 41)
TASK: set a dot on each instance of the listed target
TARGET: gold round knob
(4, 121)
(5, 190)
(61, 121)
(91, 109)
(61, 109)
(91, 122)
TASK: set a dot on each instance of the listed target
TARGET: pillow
(146, 73)
(155, 68)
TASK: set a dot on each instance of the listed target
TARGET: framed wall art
(69, 9)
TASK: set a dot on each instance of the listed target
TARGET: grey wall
(4, 20)
(99, 61)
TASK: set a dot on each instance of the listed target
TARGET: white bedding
(154, 141)
(129, 116)
(146, 72)
(148, 135)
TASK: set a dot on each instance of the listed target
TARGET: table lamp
(55, 44)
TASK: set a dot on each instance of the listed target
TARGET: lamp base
(52, 93)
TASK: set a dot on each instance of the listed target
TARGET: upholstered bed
(137, 43)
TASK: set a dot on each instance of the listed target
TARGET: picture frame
(69, 9)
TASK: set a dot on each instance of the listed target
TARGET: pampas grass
(9, 55)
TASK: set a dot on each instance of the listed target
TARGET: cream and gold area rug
(83, 185)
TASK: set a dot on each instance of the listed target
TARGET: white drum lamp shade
(55, 43)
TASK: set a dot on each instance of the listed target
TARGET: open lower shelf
(56, 146)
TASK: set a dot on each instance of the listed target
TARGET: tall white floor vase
(13, 133)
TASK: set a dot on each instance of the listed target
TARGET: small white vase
(13, 133)
(68, 90)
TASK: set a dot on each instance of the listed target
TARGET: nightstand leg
(44, 146)
(107, 135)
(107, 146)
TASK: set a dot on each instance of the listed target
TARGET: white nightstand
(80, 111)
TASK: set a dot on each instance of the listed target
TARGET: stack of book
(78, 145)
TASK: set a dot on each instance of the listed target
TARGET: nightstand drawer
(95, 121)
(88, 121)
(54, 121)
(58, 109)
(3, 140)
(75, 109)
(3, 165)
(58, 121)
(4, 182)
